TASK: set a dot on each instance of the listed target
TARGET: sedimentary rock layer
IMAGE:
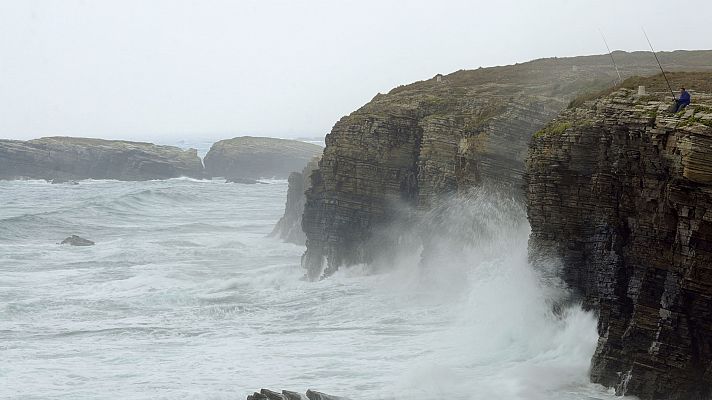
(405, 151)
(258, 157)
(289, 227)
(620, 193)
(65, 158)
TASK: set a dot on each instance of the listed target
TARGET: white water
(183, 296)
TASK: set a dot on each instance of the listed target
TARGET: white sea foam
(184, 297)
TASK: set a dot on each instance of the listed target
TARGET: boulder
(266, 394)
(75, 240)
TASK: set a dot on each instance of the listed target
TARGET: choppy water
(183, 296)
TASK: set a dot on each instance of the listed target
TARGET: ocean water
(184, 297)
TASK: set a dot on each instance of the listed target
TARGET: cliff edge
(405, 151)
(619, 191)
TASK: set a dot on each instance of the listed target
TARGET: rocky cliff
(289, 227)
(258, 157)
(65, 158)
(619, 191)
(405, 151)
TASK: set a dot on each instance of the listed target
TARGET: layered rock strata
(68, 158)
(258, 157)
(403, 152)
(289, 227)
(620, 193)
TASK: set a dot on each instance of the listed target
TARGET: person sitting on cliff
(683, 101)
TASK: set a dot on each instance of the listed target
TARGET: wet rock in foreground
(266, 394)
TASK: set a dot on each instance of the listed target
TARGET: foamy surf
(183, 296)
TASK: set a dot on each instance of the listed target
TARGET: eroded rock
(289, 227)
(404, 152)
(619, 192)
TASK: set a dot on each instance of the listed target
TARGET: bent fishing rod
(620, 80)
(659, 65)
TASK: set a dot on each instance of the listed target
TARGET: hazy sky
(165, 70)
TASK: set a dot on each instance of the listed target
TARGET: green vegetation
(695, 120)
(554, 128)
(482, 116)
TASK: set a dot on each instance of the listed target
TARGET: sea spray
(184, 297)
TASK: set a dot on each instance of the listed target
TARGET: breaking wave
(183, 296)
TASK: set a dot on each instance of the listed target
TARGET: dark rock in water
(410, 148)
(244, 181)
(314, 395)
(621, 193)
(289, 227)
(266, 394)
(258, 157)
(272, 395)
(288, 395)
(69, 158)
(75, 240)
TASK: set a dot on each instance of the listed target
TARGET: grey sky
(164, 70)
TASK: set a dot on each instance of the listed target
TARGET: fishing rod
(659, 65)
(620, 80)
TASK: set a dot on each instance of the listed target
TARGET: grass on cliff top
(693, 81)
(554, 128)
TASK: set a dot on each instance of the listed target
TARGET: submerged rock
(75, 240)
(62, 159)
(64, 181)
(244, 181)
(258, 157)
(620, 192)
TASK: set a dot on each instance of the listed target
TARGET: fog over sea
(185, 297)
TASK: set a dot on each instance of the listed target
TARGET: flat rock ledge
(266, 394)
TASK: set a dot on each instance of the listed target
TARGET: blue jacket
(684, 97)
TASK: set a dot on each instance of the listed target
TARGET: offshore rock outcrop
(69, 158)
(403, 152)
(289, 227)
(75, 240)
(258, 157)
(620, 191)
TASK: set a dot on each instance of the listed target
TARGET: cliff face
(620, 192)
(403, 152)
(258, 157)
(64, 158)
(289, 227)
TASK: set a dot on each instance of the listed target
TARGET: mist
(174, 70)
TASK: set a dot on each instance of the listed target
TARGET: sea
(185, 296)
